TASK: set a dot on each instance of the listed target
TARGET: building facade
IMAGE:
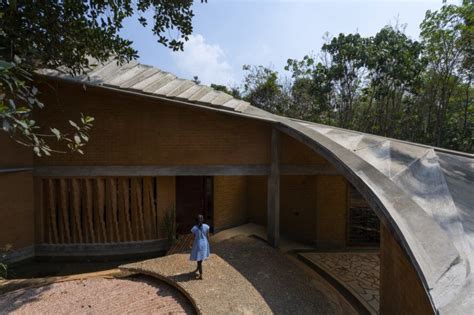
(162, 147)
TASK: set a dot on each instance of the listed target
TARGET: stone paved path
(243, 276)
(357, 272)
(137, 295)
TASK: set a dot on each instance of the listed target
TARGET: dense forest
(386, 84)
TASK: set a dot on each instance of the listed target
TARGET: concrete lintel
(181, 170)
(151, 170)
(16, 255)
(15, 169)
(101, 249)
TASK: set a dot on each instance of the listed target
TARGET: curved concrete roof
(424, 194)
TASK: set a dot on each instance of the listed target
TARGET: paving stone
(357, 272)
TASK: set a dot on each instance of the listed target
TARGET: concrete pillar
(273, 192)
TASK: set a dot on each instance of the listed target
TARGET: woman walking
(200, 250)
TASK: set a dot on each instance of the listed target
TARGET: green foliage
(262, 88)
(234, 91)
(17, 102)
(4, 266)
(387, 84)
(66, 36)
(196, 80)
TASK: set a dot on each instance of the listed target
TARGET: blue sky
(230, 33)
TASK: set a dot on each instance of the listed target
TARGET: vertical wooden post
(273, 192)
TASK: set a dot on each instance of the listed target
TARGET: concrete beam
(101, 249)
(181, 170)
(273, 192)
(150, 170)
(15, 169)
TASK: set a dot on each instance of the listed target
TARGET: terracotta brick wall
(12, 154)
(401, 291)
(16, 195)
(16, 210)
(166, 199)
(298, 200)
(257, 199)
(132, 130)
(294, 152)
(311, 207)
(230, 201)
(331, 213)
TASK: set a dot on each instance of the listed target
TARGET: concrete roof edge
(426, 146)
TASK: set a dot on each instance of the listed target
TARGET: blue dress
(200, 250)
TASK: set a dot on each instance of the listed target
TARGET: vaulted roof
(424, 194)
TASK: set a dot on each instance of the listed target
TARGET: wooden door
(193, 197)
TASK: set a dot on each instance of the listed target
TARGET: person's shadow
(184, 277)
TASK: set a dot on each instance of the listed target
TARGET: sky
(231, 33)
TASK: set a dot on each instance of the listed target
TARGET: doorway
(194, 195)
(363, 225)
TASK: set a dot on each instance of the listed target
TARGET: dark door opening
(362, 222)
(193, 197)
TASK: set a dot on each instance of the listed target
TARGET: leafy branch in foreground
(18, 98)
(66, 36)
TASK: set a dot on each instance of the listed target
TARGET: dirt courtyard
(136, 294)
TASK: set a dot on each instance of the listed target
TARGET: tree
(394, 65)
(311, 91)
(66, 35)
(234, 91)
(196, 80)
(447, 35)
(346, 70)
(386, 84)
(262, 88)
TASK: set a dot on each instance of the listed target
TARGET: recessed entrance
(363, 225)
(193, 197)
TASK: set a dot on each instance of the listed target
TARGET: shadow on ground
(98, 295)
(285, 288)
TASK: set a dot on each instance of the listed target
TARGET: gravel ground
(285, 287)
(244, 275)
(138, 295)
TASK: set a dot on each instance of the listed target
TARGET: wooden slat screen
(363, 223)
(99, 210)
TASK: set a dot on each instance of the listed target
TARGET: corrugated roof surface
(146, 79)
(428, 193)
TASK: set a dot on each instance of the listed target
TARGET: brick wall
(257, 199)
(166, 200)
(298, 200)
(12, 154)
(294, 152)
(16, 210)
(401, 291)
(331, 213)
(16, 196)
(230, 201)
(133, 130)
(311, 207)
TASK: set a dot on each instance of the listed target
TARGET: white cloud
(207, 61)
